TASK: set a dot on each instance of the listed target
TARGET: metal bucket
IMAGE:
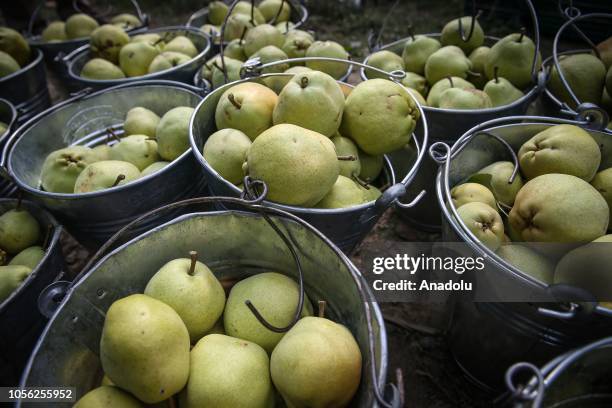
(181, 73)
(235, 244)
(345, 227)
(8, 115)
(447, 125)
(27, 89)
(487, 337)
(20, 321)
(83, 120)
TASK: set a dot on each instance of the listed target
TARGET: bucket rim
(32, 64)
(11, 122)
(37, 41)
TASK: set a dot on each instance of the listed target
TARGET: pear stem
(119, 179)
(495, 74)
(474, 74)
(194, 258)
(280, 9)
(347, 158)
(111, 132)
(244, 31)
(322, 305)
(411, 32)
(359, 181)
(451, 82)
(520, 39)
(304, 82)
(233, 101)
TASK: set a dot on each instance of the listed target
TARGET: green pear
(298, 173)
(416, 82)
(151, 38)
(29, 257)
(484, 222)
(62, 167)
(126, 21)
(278, 83)
(190, 288)
(106, 381)
(606, 101)
(172, 132)
(328, 49)
(297, 43)
(447, 61)
(371, 166)
(605, 51)
(135, 58)
(105, 174)
(417, 51)
(106, 41)
(80, 25)
(225, 151)
(513, 55)
(102, 152)
(232, 67)
(237, 23)
(144, 348)
(271, 53)
(140, 150)
(275, 296)
(433, 98)
(385, 60)
(3, 128)
(379, 116)
(106, 397)
(247, 107)
(345, 147)
(154, 168)
(478, 57)
(235, 50)
(451, 35)
(11, 277)
(565, 149)
(285, 27)
(217, 11)
(344, 193)
(472, 192)
(584, 73)
(140, 121)
(317, 364)
(18, 230)
(559, 208)
(183, 45)
(419, 98)
(246, 8)
(15, 45)
(55, 31)
(495, 177)
(212, 30)
(502, 92)
(457, 98)
(226, 372)
(370, 193)
(8, 65)
(277, 10)
(262, 36)
(312, 100)
(206, 70)
(528, 261)
(293, 34)
(167, 60)
(609, 81)
(603, 183)
(101, 69)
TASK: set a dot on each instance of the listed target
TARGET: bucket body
(233, 244)
(21, 323)
(8, 115)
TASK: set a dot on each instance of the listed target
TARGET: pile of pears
(553, 220)
(185, 340)
(149, 144)
(15, 52)
(20, 248)
(311, 144)
(115, 55)
(81, 25)
(451, 73)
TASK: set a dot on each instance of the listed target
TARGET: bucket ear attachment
(579, 303)
(593, 116)
(51, 297)
(522, 395)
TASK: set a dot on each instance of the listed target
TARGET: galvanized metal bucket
(181, 73)
(486, 338)
(234, 244)
(20, 321)
(447, 125)
(345, 227)
(8, 115)
(84, 120)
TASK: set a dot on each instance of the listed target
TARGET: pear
(217, 11)
(106, 41)
(55, 31)
(217, 328)
(183, 45)
(584, 73)
(609, 82)
(140, 150)
(246, 107)
(502, 92)
(3, 128)
(232, 67)
(370, 193)
(102, 152)
(226, 372)
(206, 70)
(62, 167)
(513, 55)
(417, 51)
(8, 65)
(565, 149)
(297, 43)
(225, 151)
(140, 121)
(29, 257)
(105, 174)
(167, 60)
(330, 49)
(15, 45)
(317, 364)
(297, 173)
(271, 53)
(285, 27)
(416, 82)
(447, 61)
(154, 168)
(18, 231)
(126, 21)
(452, 36)
(106, 397)
(312, 100)
(212, 31)
(495, 177)
(11, 277)
(605, 51)
(457, 98)
(237, 23)
(262, 36)
(345, 147)
(275, 296)
(484, 222)
(144, 348)
(528, 261)
(559, 208)
(101, 69)
(277, 10)
(478, 57)
(80, 25)
(387, 61)
(235, 50)
(606, 102)
(345, 193)
(191, 289)
(151, 38)
(293, 34)
(371, 166)
(246, 8)
(280, 82)
(433, 98)
(472, 192)
(419, 98)
(135, 58)
(172, 132)
(379, 116)
(603, 183)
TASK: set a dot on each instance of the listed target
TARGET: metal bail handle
(581, 303)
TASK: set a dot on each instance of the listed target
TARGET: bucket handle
(14, 115)
(203, 11)
(581, 303)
